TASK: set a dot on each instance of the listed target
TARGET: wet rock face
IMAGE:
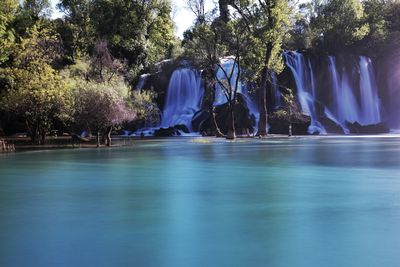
(280, 125)
(356, 128)
(202, 120)
(330, 126)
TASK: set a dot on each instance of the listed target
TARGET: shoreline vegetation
(21, 144)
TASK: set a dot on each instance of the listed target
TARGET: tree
(76, 27)
(35, 91)
(37, 8)
(32, 13)
(267, 22)
(139, 31)
(205, 51)
(209, 45)
(145, 108)
(101, 95)
(198, 9)
(339, 23)
(8, 9)
(101, 106)
(224, 10)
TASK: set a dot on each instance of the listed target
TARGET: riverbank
(16, 144)
(64, 142)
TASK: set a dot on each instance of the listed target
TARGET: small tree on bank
(99, 107)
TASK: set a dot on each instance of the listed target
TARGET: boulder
(357, 128)
(181, 127)
(171, 131)
(166, 132)
(331, 127)
(199, 118)
(280, 125)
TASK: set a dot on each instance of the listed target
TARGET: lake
(312, 201)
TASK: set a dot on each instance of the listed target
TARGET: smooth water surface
(315, 201)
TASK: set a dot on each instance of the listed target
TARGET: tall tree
(35, 91)
(76, 27)
(268, 22)
(339, 23)
(8, 10)
(198, 9)
(139, 31)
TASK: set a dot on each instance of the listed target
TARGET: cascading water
(229, 68)
(184, 97)
(142, 81)
(228, 64)
(370, 104)
(344, 106)
(304, 79)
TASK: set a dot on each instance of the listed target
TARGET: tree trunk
(217, 131)
(231, 134)
(262, 126)
(108, 136)
(42, 138)
(209, 75)
(263, 123)
(223, 10)
(98, 139)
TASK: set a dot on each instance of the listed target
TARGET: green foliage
(8, 9)
(76, 28)
(341, 23)
(35, 91)
(98, 106)
(268, 23)
(289, 110)
(145, 107)
(331, 25)
(139, 31)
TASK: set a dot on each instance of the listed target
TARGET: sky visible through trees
(182, 16)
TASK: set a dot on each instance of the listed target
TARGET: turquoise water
(201, 202)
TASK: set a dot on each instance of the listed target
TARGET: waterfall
(184, 97)
(304, 78)
(142, 81)
(347, 103)
(344, 104)
(370, 103)
(228, 64)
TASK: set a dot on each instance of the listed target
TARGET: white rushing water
(230, 67)
(184, 98)
(346, 103)
(304, 78)
(142, 81)
(370, 103)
